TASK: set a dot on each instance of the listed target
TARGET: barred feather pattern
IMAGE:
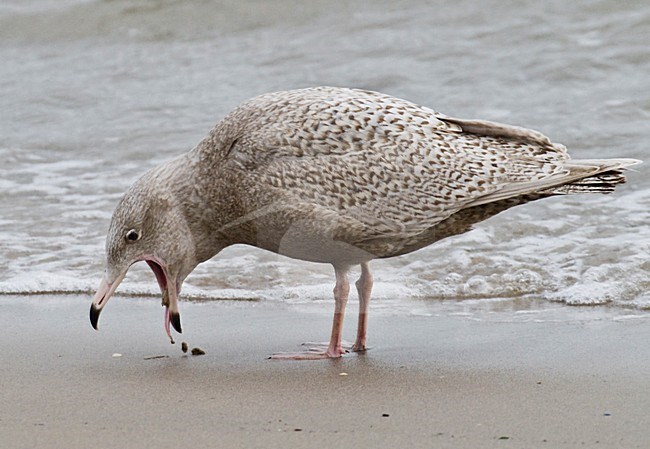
(357, 166)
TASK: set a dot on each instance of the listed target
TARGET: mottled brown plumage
(333, 175)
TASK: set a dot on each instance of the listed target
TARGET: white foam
(55, 284)
(592, 261)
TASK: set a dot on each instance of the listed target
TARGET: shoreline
(442, 380)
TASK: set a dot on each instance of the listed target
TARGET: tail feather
(602, 183)
(608, 174)
(578, 176)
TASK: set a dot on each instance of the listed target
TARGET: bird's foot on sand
(315, 351)
(310, 354)
(319, 351)
(346, 346)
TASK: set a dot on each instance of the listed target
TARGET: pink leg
(341, 292)
(334, 350)
(364, 287)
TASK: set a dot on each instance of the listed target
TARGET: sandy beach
(478, 383)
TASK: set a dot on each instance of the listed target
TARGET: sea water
(95, 92)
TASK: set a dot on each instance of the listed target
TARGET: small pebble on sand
(197, 351)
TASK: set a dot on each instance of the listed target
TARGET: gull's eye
(133, 235)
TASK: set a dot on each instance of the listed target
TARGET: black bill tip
(175, 319)
(94, 315)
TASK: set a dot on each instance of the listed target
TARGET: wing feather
(388, 164)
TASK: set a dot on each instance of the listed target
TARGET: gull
(333, 175)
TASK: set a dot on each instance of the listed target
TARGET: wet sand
(428, 381)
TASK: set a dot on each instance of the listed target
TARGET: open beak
(169, 298)
(167, 286)
(104, 293)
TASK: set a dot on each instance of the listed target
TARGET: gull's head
(148, 225)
